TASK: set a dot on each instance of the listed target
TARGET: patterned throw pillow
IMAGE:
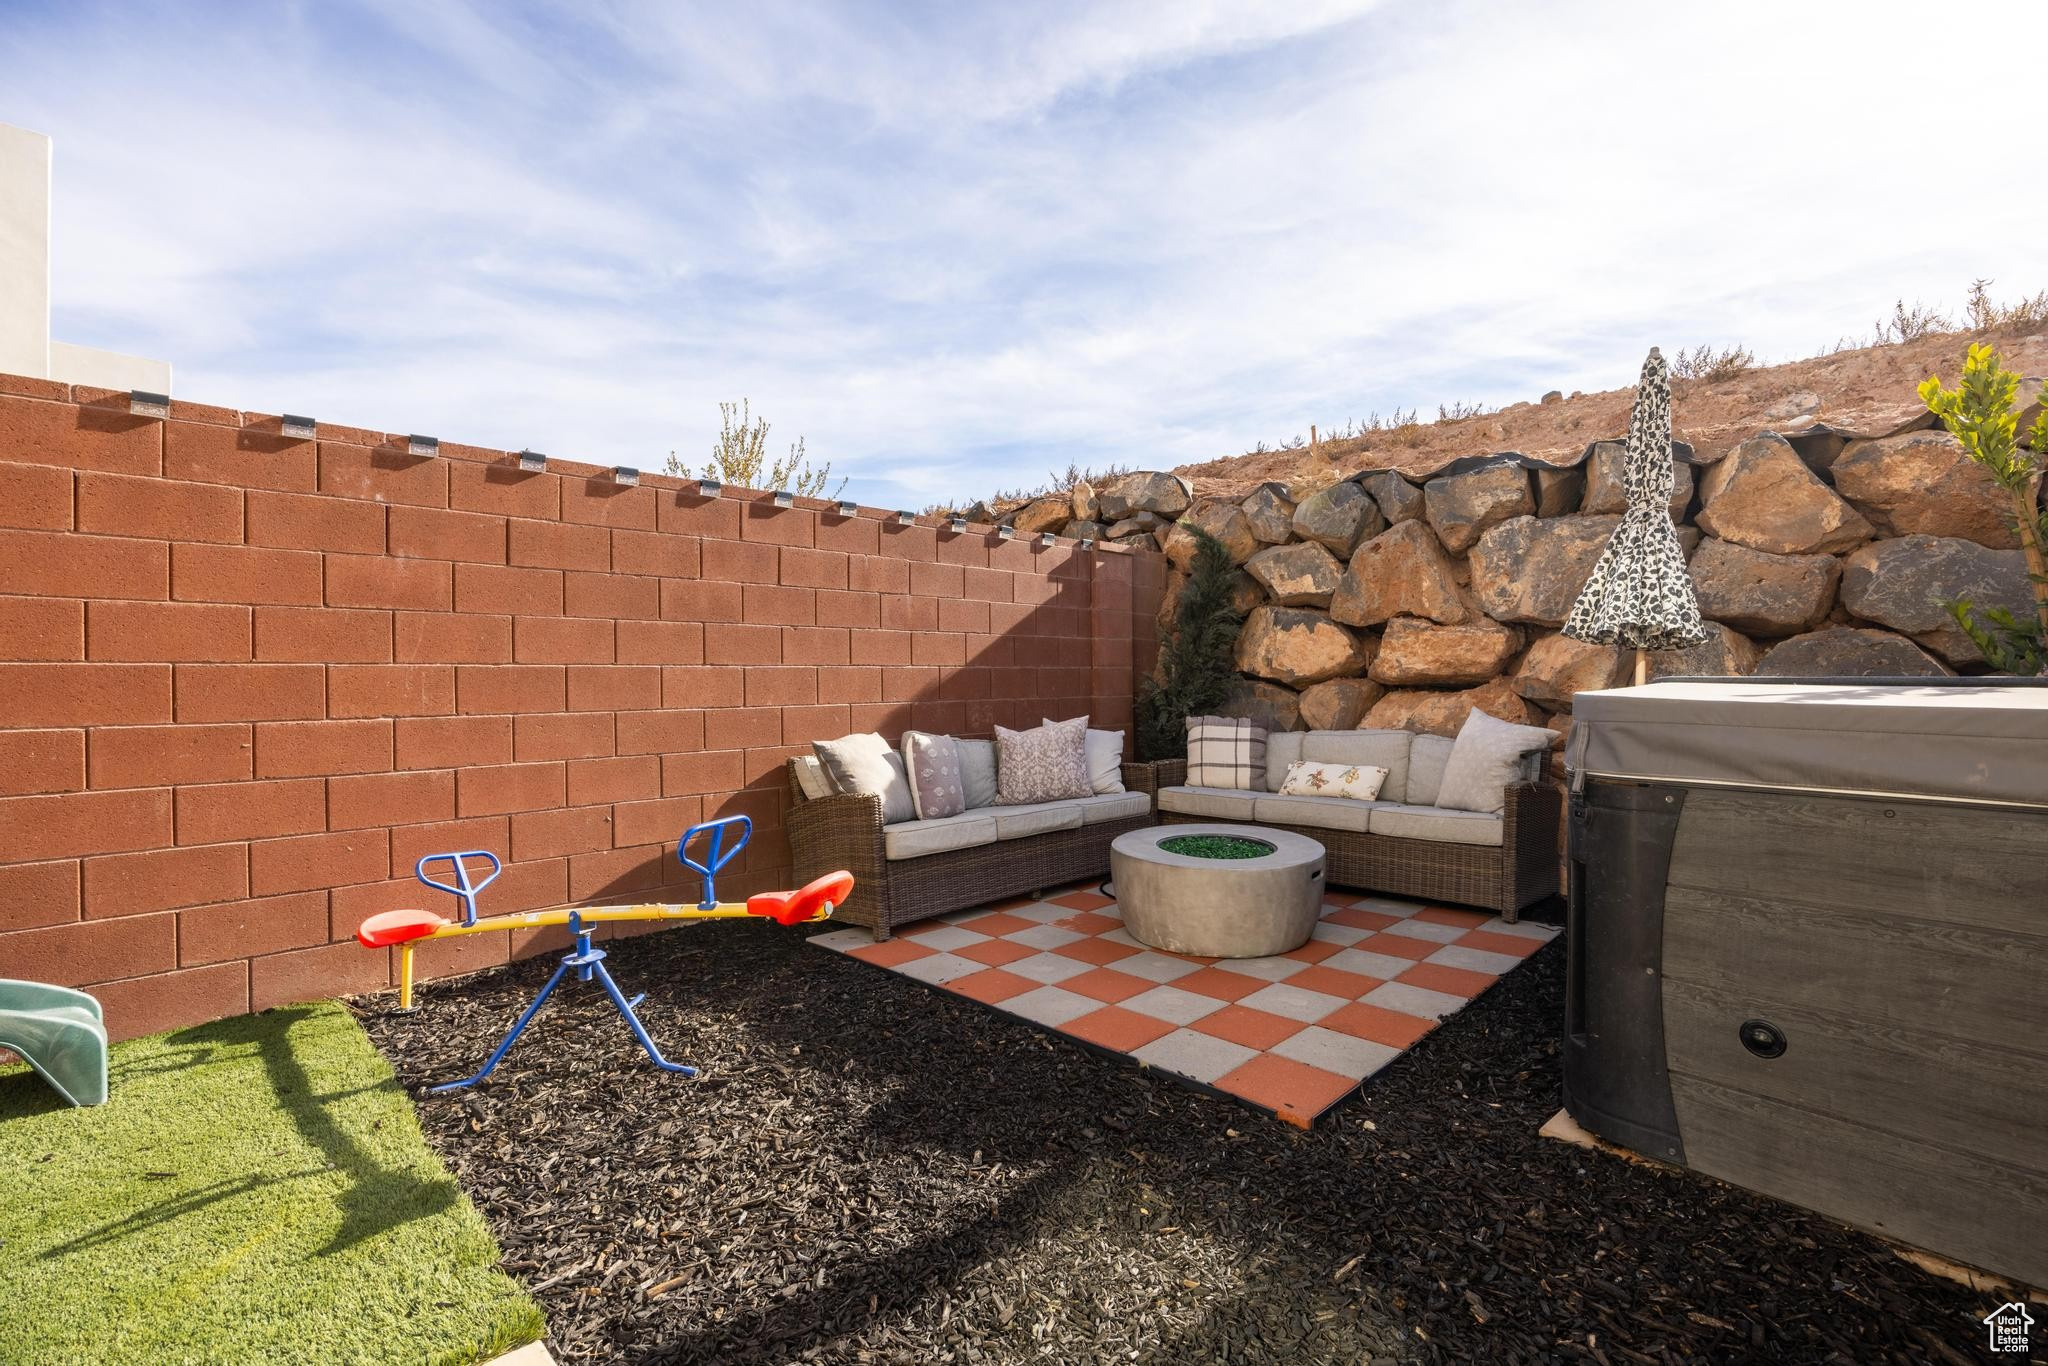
(1048, 764)
(1226, 751)
(1306, 778)
(1105, 760)
(1485, 759)
(933, 762)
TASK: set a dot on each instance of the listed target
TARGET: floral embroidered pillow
(1048, 764)
(1360, 782)
(933, 763)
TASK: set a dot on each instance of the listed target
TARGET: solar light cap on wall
(1087, 543)
(1006, 533)
(301, 428)
(846, 507)
(1047, 538)
(142, 403)
(956, 525)
(905, 517)
(783, 498)
(422, 445)
(625, 476)
(533, 462)
(710, 488)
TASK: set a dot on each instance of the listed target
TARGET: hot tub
(1808, 942)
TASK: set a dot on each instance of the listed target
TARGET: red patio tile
(1087, 922)
(992, 985)
(890, 953)
(1314, 951)
(1097, 951)
(997, 924)
(1115, 1027)
(996, 952)
(1399, 945)
(1389, 1027)
(1452, 981)
(1500, 943)
(1107, 984)
(1221, 983)
(1445, 915)
(1246, 1025)
(1362, 920)
(1292, 1090)
(1334, 982)
(1083, 901)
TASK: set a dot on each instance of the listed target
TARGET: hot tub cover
(1915, 739)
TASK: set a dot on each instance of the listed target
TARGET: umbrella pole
(1642, 668)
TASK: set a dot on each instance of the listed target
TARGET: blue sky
(958, 246)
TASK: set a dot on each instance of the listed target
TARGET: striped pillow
(1226, 751)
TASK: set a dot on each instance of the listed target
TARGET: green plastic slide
(60, 1033)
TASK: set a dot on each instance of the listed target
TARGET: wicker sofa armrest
(1532, 825)
(1150, 777)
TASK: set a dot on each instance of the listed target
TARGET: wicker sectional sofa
(1402, 844)
(914, 869)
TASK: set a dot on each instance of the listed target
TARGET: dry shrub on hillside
(1705, 363)
(1986, 313)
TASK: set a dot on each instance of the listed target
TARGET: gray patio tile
(1527, 929)
(1477, 960)
(1044, 912)
(842, 940)
(1048, 967)
(1266, 969)
(1423, 929)
(1384, 966)
(1411, 1000)
(939, 967)
(1044, 936)
(1195, 1055)
(1050, 1005)
(1334, 1052)
(1172, 1004)
(1339, 934)
(1122, 937)
(1387, 905)
(1293, 1003)
(947, 937)
(1154, 967)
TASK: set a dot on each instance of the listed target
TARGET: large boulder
(1082, 501)
(1138, 524)
(1165, 495)
(1604, 491)
(1760, 593)
(1224, 521)
(1559, 491)
(1843, 652)
(1295, 646)
(1245, 593)
(1299, 575)
(1724, 654)
(1421, 654)
(1461, 507)
(1762, 495)
(1443, 713)
(1907, 585)
(1403, 571)
(1044, 514)
(1531, 569)
(1270, 514)
(1921, 484)
(1339, 704)
(1268, 704)
(1083, 530)
(1557, 668)
(1338, 518)
(1399, 501)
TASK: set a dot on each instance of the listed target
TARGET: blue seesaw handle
(718, 856)
(464, 891)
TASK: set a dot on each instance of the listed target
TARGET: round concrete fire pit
(1218, 907)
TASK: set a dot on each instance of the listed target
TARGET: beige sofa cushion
(914, 839)
(1113, 806)
(1283, 751)
(810, 776)
(1387, 749)
(1427, 755)
(1489, 754)
(1038, 818)
(1324, 813)
(1435, 823)
(1210, 803)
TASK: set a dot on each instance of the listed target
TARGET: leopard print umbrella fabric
(1640, 595)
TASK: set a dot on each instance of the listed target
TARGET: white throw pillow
(1105, 760)
(1306, 778)
(865, 765)
(1485, 759)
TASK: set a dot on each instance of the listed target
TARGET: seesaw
(407, 929)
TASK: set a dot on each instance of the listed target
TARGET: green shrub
(1196, 660)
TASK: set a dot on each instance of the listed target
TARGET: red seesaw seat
(396, 927)
(793, 908)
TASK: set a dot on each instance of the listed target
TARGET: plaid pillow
(1226, 751)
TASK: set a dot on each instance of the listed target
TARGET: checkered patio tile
(1292, 1034)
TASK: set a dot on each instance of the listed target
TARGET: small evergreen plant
(1196, 661)
(1979, 412)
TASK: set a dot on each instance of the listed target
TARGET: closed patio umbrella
(1640, 595)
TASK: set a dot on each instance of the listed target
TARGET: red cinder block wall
(246, 681)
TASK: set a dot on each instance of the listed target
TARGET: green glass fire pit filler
(1215, 846)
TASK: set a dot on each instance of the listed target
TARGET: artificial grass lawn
(1215, 846)
(254, 1190)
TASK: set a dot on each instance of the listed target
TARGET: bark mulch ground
(870, 1170)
